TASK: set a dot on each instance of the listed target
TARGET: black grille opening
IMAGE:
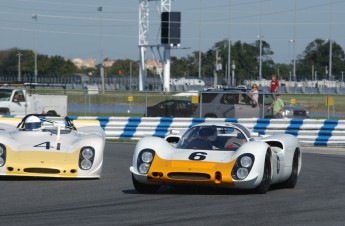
(42, 170)
(189, 176)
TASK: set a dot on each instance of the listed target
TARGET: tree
(283, 71)
(122, 68)
(316, 55)
(47, 66)
(246, 58)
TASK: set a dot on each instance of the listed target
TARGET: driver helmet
(33, 123)
(209, 132)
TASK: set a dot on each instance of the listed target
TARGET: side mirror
(174, 132)
(254, 134)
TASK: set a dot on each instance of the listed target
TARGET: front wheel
(266, 177)
(4, 111)
(144, 188)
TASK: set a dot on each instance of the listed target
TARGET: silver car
(238, 103)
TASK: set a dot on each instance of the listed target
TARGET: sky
(77, 29)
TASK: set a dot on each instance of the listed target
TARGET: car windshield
(5, 94)
(212, 138)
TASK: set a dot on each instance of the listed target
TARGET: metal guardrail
(310, 132)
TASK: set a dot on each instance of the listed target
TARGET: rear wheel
(144, 188)
(266, 177)
(291, 182)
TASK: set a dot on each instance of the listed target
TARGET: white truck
(16, 101)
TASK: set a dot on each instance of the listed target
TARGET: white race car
(220, 155)
(51, 146)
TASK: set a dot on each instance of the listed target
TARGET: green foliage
(47, 66)
(317, 54)
(245, 57)
(123, 68)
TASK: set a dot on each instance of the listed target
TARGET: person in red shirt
(274, 84)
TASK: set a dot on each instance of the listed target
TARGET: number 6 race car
(220, 155)
(51, 146)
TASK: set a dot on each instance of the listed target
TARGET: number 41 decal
(47, 145)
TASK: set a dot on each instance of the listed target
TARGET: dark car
(293, 111)
(171, 108)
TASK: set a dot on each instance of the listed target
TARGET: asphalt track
(318, 198)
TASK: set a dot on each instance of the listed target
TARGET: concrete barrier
(310, 132)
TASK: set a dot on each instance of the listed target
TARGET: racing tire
(144, 188)
(266, 177)
(4, 111)
(292, 181)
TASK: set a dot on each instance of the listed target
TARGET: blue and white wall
(310, 132)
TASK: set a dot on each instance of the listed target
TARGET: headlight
(246, 161)
(86, 157)
(242, 173)
(288, 112)
(85, 164)
(2, 155)
(87, 153)
(146, 157)
(144, 160)
(144, 168)
(242, 166)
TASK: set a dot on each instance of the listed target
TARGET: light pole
(19, 69)
(330, 61)
(330, 43)
(216, 68)
(260, 57)
(100, 9)
(34, 16)
(229, 82)
(294, 59)
(294, 44)
(199, 66)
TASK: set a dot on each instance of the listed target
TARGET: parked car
(238, 103)
(171, 108)
(293, 111)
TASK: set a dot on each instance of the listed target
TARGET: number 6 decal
(198, 156)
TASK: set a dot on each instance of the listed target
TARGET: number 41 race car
(219, 155)
(51, 146)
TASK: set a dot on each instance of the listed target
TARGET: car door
(246, 107)
(159, 110)
(17, 103)
(182, 109)
(226, 106)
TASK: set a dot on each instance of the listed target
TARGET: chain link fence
(227, 105)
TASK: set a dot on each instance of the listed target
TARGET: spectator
(254, 93)
(16, 97)
(274, 84)
(278, 106)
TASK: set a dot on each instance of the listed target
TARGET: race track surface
(318, 198)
